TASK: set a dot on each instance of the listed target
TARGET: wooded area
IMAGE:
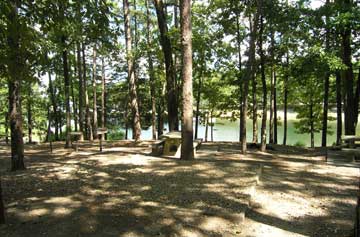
(173, 65)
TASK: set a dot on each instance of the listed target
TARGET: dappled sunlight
(127, 192)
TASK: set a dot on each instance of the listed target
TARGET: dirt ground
(124, 191)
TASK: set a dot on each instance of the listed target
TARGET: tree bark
(89, 130)
(55, 108)
(312, 124)
(103, 92)
(67, 91)
(198, 98)
(94, 80)
(275, 107)
(172, 103)
(206, 125)
(151, 71)
(238, 44)
(81, 90)
(74, 108)
(338, 108)
(7, 128)
(2, 207)
(131, 75)
(271, 122)
(250, 70)
(286, 92)
(29, 113)
(254, 110)
(15, 70)
(187, 149)
(264, 88)
(326, 86)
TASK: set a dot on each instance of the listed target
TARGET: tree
(187, 150)
(2, 208)
(16, 71)
(131, 75)
(172, 103)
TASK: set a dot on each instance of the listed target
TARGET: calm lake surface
(225, 130)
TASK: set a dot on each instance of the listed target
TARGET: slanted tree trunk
(264, 88)
(250, 70)
(187, 149)
(89, 131)
(131, 75)
(172, 103)
(67, 91)
(338, 109)
(151, 71)
(81, 90)
(2, 207)
(15, 69)
(29, 113)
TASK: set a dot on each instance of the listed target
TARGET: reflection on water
(225, 130)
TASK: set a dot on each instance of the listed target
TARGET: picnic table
(101, 132)
(78, 136)
(350, 139)
(170, 144)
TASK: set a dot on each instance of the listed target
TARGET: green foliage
(114, 135)
(300, 144)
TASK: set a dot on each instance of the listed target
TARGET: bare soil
(124, 191)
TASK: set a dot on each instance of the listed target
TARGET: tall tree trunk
(2, 207)
(254, 110)
(272, 89)
(172, 103)
(286, 92)
(326, 86)
(74, 108)
(348, 77)
(29, 113)
(212, 125)
(7, 128)
(312, 124)
(250, 70)
(151, 71)
(94, 77)
(15, 69)
(238, 44)
(81, 90)
(187, 149)
(54, 106)
(89, 130)
(131, 75)
(206, 125)
(198, 98)
(338, 108)
(275, 107)
(103, 93)
(67, 92)
(263, 83)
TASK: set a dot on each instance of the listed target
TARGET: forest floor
(124, 191)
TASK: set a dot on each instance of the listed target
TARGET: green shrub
(114, 135)
(299, 144)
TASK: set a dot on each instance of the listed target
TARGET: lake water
(225, 130)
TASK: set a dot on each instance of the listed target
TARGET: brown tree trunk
(172, 103)
(250, 70)
(15, 68)
(81, 90)
(94, 79)
(326, 86)
(238, 44)
(131, 75)
(55, 108)
(67, 92)
(2, 207)
(264, 88)
(74, 108)
(89, 131)
(7, 128)
(206, 125)
(254, 110)
(338, 108)
(272, 89)
(103, 93)
(348, 78)
(286, 92)
(312, 124)
(29, 114)
(198, 98)
(187, 149)
(275, 107)
(151, 71)
(212, 125)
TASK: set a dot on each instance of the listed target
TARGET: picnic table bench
(350, 139)
(170, 144)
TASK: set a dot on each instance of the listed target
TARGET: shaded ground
(123, 191)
